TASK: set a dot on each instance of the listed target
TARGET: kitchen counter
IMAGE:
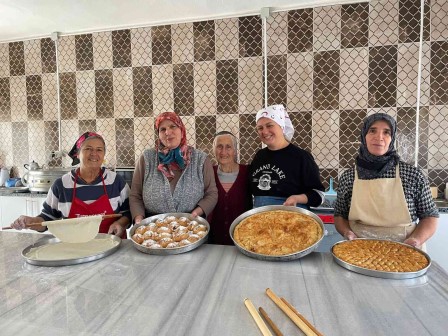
(202, 293)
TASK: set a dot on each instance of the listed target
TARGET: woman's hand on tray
(350, 235)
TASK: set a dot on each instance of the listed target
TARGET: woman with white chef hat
(282, 173)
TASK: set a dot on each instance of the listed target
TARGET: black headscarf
(372, 166)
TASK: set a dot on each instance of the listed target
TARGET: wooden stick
(257, 318)
(301, 317)
(297, 321)
(271, 323)
(7, 228)
(45, 222)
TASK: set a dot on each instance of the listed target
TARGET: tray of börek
(381, 258)
(170, 233)
(277, 232)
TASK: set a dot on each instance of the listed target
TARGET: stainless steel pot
(41, 180)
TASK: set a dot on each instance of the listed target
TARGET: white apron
(379, 210)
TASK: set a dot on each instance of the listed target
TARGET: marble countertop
(202, 293)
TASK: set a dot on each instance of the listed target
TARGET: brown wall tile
(142, 84)
(16, 59)
(300, 30)
(48, 55)
(302, 122)
(104, 90)
(34, 97)
(52, 141)
(439, 73)
(250, 143)
(183, 83)
(250, 37)
(161, 45)
(347, 155)
(121, 48)
(355, 25)
(382, 76)
(125, 142)
(5, 100)
(84, 52)
(277, 80)
(406, 133)
(438, 177)
(325, 175)
(87, 126)
(350, 124)
(227, 86)
(409, 21)
(68, 95)
(423, 136)
(205, 132)
(204, 41)
(326, 80)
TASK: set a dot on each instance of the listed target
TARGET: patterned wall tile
(325, 134)
(277, 33)
(49, 96)
(20, 147)
(438, 137)
(183, 43)
(250, 143)
(300, 81)
(205, 88)
(355, 25)
(6, 154)
(121, 48)
(350, 123)
(123, 93)
(300, 30)
(407, 74)
(36, 140)
(85, 94)
(5, 100)
(162, 85)
(142, 86)
(302, 122)
(326, 80)
(226, 38)
(33, 61)
(205, 132)
(250, 40)
(143, 135)
(409, 21)
(69, 134)
(51, 132)
(227, 86)
(406, 128)
(84, 52)
(383, 19)
(48, 55)
(88, 125)
(277, 80)
(438, 177)
(34, 97)
(141, 53)
(439, 20)
(353, 84)
(439, 73)
(392, 111)
(102, 50)
(425, 83)
(18, 98)
(250, 83)
(16, 59)
(104, 93)
(325, 175)
(125, 142)
(228, 122)
(67, 53)
(183, 86)
(423, 137)
(67, 82)
(106, 127)
(382, 76)
(161, 45)
(190, 125)
(327, 28)
(204, 41)
(4, 60)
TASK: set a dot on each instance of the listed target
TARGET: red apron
(99, 207)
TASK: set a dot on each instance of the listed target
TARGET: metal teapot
(32, 166)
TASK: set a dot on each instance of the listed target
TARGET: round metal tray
(66, 262)
(170, 251)
(286, 257)
(382, 274)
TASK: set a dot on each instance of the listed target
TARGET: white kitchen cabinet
(11, 207)
(437, 246)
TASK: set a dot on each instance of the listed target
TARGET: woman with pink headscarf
(282, 173)
(172, 177)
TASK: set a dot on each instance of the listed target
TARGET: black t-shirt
(285, 172)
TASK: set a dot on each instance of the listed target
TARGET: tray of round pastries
(170, 233)
(277, 232)
(381, 258)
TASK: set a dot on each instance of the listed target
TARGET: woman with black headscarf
(383, 197)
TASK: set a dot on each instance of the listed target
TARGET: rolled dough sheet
(75, 230)
(65, 251)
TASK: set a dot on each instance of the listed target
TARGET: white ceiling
(28, 19)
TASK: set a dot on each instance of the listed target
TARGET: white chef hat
(278, 114)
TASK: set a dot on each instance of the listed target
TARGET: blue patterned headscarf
(373, 166)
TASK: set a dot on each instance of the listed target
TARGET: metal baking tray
(286, 257)
(66, 262)
(170, 251)
(382, 274)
